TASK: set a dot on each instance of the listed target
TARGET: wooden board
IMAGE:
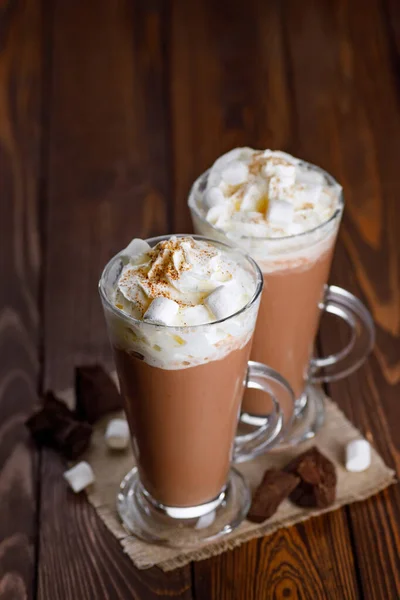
(20, 111)
(231, 90)
(107, 181)
(342, 125)
(108, 112)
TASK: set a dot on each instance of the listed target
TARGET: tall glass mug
(182, 388)
(295, 270)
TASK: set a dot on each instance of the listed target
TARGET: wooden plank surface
(367, 263)
(20, 108)
(230, 89)
(107, 182)
(349, 122)
(108, 112)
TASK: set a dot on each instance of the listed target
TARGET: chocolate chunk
(274, 488)
(96, 393)
(56, 426)
(317, 487)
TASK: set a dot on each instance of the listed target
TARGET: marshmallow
(194, 347)
(213, 197)
(309, 177)
(162, 310)
(224, 301)
(308, 219)
(358, 455)
(235, 154)
(195, 315)
(251, 198)
(257, 229)
(280, 212)
(117, 434)
(327, 199)
(80, 476)
(235, 173)
(136, 247)
(296, 228)
(284, 173)
(188, 282)
(218, 215)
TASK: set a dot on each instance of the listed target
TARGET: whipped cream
(267, 194)
(180, 293)
(263, 200)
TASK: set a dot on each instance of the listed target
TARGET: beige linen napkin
(111, 467)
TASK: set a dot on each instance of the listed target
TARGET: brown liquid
(287, 325)
(182, 423)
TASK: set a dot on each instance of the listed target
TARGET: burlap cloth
(111, 467)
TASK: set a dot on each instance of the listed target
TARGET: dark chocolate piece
(56, 426)
(273, 489)
(96, 393)
(317, 487)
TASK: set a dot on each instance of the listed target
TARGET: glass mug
(183, 419)
(295, 270)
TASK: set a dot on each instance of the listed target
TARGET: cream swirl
(181, 282)
(265, 194)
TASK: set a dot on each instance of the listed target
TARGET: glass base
(309, 418)
(182, 527)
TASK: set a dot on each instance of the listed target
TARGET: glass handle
(341, 303)
(260, 377)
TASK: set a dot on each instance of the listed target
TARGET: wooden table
(108, 111)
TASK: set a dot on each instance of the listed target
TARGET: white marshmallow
(234, 154)
(193, 347)
(80, 476)
(280, 212)
(213, 197)
(213, 178)
(296, 228)
(327, 199)
(358, 456)
(162, 310)
(219, 215)
(276, 191)
(195, 315)
(309, 177)
(284, 173)
(117, 434)
(308, 219)
(188, 282)
(235, 173)
(251, 229)
(225, 300)
(136, 247)
(251, 197)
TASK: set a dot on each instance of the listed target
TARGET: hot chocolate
(285, 213)
(182, 433)
(182, 384)
(181, 314)
(289, 314)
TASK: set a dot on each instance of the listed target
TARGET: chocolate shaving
(317, 487)
(96, 393)
(273, 489)
(55, 426)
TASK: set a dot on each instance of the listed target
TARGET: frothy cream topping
(266, 194)
(181, 282)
